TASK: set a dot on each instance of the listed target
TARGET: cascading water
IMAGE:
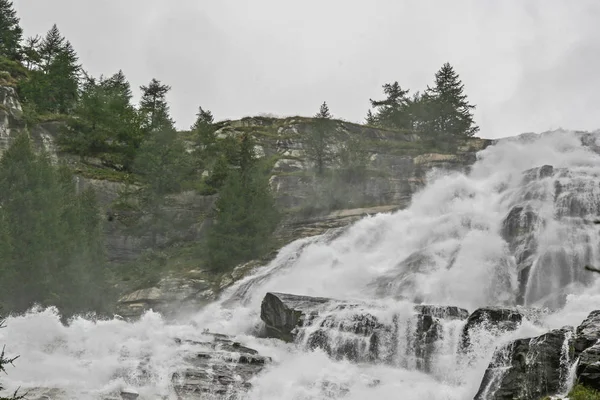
(514, 230)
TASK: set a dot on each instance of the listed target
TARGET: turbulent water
(455, 245)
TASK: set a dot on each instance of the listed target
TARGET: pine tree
(119, 87)
(54, 81)
(450, 112)
(418, 110)
(53, 236)
(154, 107)
(370, 119)
(352, 160)
(218, 174)
(124, 121)
(246, 213)
(392, 112)
(64, 77)
(104, 124)
(323, 112)
(31, 52)
(51, 46)
(10, 31)
(247, 155)
(87, 132)
(164, 162)
(205, 138)
(165, 167)
(204, 118)
(319, 138)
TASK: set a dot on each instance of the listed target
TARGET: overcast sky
(528, 65)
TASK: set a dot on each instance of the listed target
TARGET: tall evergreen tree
(10, 31)
(63, 73)
(352, 159)
(393, 111)
(318, 139)
(154, 107)
(31, 52)
(246, 213)
(87, 132)
(119, 86)
(204, 118)
(104, 123)
(54, 250)
(125, 122)
(323, 112)
(165, 166)
(51, 46)
(370, 118)
(449, 110)
(205, 137)
(54, 81)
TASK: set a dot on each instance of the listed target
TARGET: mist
(528, 66)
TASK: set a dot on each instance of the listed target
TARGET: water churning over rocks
(500, 251)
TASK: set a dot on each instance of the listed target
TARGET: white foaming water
(447, 248)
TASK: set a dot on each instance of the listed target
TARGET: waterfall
(515, 231)
(567, 366)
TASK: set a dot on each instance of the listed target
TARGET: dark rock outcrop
(496, 320)
(282, 313)
(222, 367)
(588, 333)
(443, 312)
(169, 296)
(529, 369)
(587, 348)
(588, 368)
(354, 331)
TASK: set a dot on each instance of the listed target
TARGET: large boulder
(587, 349)
(358, 331)
(588, 333)
(588, 367)
(218, 367)
(282, 313)
(529, 369)
(495, 320)
(170, 296)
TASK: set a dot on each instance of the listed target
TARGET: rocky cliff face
(397, 165)
(11, 113)
(533, 368)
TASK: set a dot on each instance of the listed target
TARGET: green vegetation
(11, 33)
(53, 79)
(51, 245)
(4, 361)
(246, 215)
(103, 123)
(580, 392)
(164, 167)
(442, 110)
(318, 140)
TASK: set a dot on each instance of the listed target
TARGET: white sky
(528, 65)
